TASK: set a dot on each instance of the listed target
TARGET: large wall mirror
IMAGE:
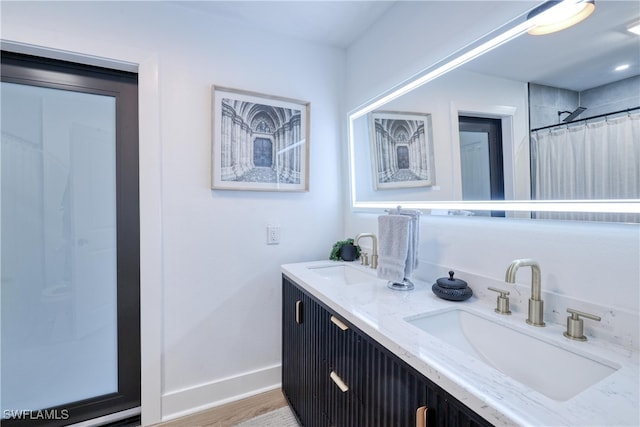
(504, 133)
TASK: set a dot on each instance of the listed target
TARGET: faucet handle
(575, 325)
(364, 258)
(502, 301)
(374, 261)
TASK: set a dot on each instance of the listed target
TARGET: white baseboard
(206, 396)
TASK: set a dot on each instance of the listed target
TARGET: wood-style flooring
(232, 413)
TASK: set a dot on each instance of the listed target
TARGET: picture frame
(402, 150)
(259, 142)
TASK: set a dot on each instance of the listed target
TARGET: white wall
(210, 284)
(589, 264)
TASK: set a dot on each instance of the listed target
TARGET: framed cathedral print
(259, 142)
(402, 150)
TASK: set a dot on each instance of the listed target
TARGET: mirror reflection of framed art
(402, 150)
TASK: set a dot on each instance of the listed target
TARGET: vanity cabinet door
(393, 392)
(398, 395)
(303, 355)
(458, 414)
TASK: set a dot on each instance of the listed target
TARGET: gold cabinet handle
(298, 311)
(339, 323)
(336, 379)
(421, 416)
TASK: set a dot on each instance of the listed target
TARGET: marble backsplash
(618, 326)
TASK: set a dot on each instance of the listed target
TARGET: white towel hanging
(393, 246)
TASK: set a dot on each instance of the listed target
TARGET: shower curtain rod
(588, 118)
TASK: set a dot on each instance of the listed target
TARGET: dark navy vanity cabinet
(335, 375)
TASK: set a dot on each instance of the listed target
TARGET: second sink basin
(554, 371)
(343, 274)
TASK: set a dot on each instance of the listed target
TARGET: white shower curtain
(598, 160)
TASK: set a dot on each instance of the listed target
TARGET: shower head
(572, 115)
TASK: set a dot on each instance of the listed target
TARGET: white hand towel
(393, 246)
(414, 239)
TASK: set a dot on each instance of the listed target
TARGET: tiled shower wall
(546, 101)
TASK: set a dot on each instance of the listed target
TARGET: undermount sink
(343, 274)
(554, 371)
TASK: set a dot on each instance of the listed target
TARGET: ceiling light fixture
(553, 16)
(622, 67)
(634, 28)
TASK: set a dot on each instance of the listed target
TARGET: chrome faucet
(535, 302)
(374, 250)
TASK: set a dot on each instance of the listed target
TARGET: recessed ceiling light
(622, 67)
(635, 28)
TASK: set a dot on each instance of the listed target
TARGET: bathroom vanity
(336, 375)
(357, 353)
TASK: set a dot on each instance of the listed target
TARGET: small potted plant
(344, 250)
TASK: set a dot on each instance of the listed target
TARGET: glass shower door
(59, 253)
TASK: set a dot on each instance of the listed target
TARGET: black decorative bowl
(452, 294)
(452, 289)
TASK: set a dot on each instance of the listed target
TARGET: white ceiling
(577, 58)
(334, 23)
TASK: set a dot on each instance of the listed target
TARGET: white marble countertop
(380, 313)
